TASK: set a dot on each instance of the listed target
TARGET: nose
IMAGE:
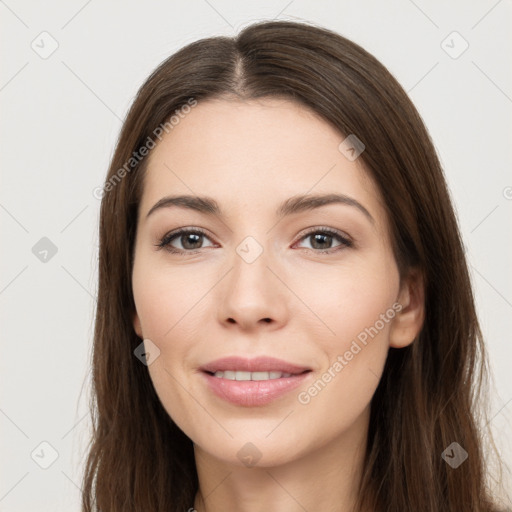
(252, 296)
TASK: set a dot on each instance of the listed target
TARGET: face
(301, 298)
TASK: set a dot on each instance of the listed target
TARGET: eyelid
(344, 238)
(320, 229)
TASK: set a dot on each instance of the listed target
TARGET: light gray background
(60, 119)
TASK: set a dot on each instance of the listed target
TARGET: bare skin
(293, 302)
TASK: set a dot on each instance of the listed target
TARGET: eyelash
(164, 243)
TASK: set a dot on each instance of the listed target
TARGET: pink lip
(257, 364)
(253, 393)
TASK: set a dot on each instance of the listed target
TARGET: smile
(241, 375)
(253, 382)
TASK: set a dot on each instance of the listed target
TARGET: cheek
(357, 306)
(171, 313)
(166, 301)
(349, 300)
(165, 298)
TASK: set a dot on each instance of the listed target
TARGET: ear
(408, 321)
(136, 325)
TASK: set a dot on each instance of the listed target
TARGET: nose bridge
(252, 293)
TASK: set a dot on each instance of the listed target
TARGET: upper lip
(257, 364)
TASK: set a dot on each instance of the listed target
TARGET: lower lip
(251, 393)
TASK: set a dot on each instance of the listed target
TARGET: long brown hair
(429, 393)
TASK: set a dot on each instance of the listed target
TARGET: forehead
(254, 153)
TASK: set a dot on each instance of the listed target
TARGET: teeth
(239, 375)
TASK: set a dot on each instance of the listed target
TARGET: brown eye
(190, 240)
(321, 240)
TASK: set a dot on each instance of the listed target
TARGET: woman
(285, 319)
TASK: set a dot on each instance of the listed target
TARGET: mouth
(241, 375)
(252, 382)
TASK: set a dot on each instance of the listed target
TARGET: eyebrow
(295, 204)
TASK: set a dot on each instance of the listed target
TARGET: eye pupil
(196, 238)
(318, 238)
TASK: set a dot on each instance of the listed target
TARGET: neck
(326, 478)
